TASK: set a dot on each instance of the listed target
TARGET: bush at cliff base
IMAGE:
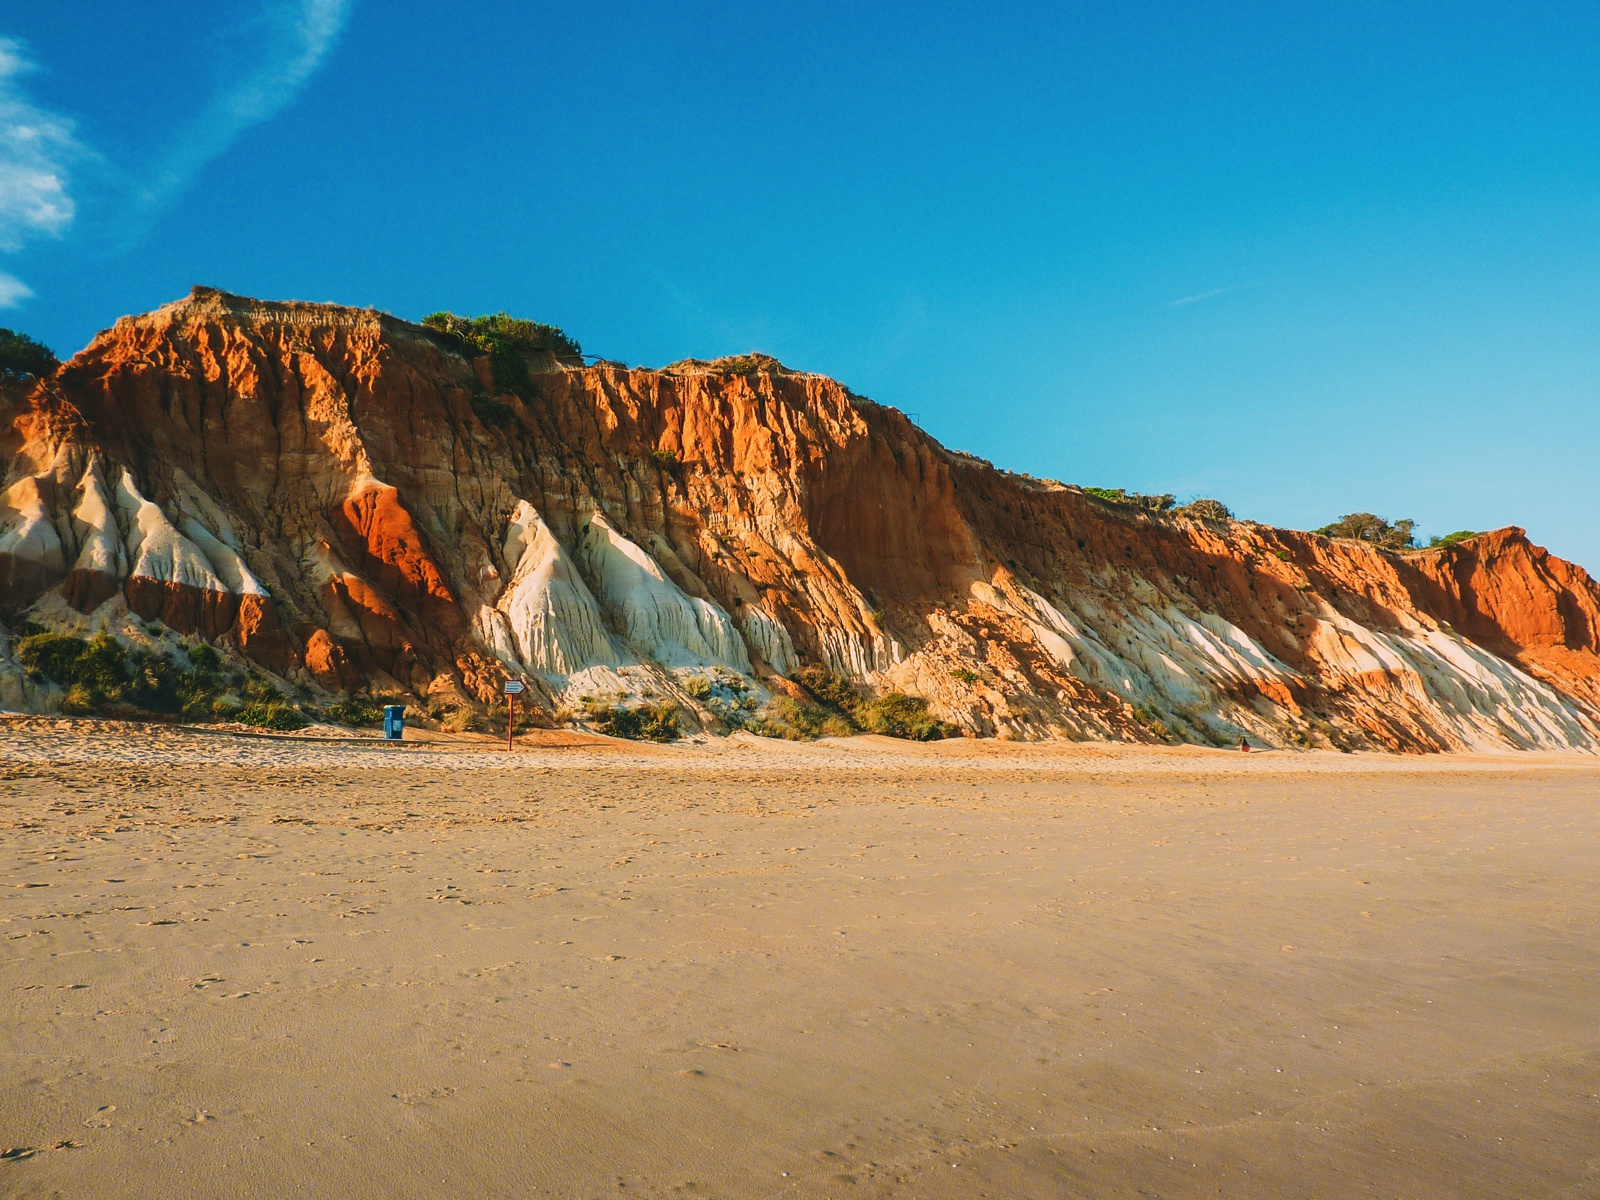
(353, 711)
(646, 722)
(895, 715)
(100, 675)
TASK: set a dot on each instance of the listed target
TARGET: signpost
(513, 688)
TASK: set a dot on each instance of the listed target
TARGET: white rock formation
(545, 618)
(654, 616)
(94, 523)
(27, 530)
(766, 636)
(1481, 699)
(155, 547)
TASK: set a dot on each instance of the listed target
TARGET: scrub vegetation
(101, 675)
(747, 364)
(1205, 509)
(354, 711)
(507, 340)
(657, 722)
(192, 682)
(838, 707)
(1161, 503)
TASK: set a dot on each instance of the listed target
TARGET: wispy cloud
(271, 57)
(1212, 294)
(12, 291)
(288, 41)
(37, 150)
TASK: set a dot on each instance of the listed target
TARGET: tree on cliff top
(21, 357)
(1368, 527)
(1206, 509)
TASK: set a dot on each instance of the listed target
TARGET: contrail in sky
(1203, 296)
(294, 39)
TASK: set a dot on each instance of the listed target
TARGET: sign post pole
(513, 686)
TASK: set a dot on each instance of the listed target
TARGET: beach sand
(241, 966)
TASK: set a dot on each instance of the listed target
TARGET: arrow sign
(514, 687)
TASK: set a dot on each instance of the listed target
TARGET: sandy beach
(242, 966)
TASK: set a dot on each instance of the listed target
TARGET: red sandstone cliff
(335, 495)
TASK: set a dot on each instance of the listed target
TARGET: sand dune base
(239, 967)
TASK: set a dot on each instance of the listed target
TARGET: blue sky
(1308, 262)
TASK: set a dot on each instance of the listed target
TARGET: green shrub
(197, 706)
(646, 722)
(827, 687)
(664, 458)
(895, 715)
(726, 695)
(98, 673)
(1451, 539)
(205, 658)
(507, 340)
(96, 666)
(1206, 510)
(502, 329)
(157, 683)
(795, 721)
(1368, 527)
(23, 358)
(271, 714)
(1159, 503)
(353, 711)
(462, 719)
(260, 690)
(78, 701)
(966, 676)
(901, 716)
(747, 364)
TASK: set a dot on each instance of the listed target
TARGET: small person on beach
(1244, 744)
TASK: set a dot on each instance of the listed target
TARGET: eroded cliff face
(338, 496)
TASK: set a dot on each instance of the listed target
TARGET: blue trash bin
(394, 721)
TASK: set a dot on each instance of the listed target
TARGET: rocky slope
(349, 502)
